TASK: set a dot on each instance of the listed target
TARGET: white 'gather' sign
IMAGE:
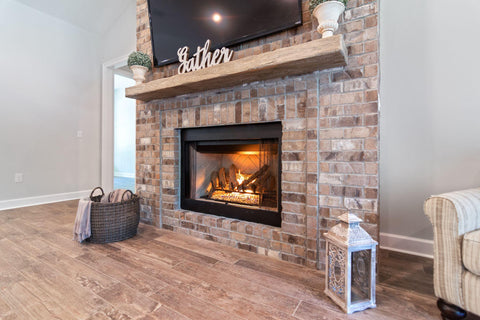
(203, 58)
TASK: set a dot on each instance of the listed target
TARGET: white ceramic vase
(139, 73)
(327, 14)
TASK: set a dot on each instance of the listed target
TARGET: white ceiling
(91, 15)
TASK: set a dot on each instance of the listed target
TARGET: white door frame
(108, 70)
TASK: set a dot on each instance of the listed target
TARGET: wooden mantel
(290, 61)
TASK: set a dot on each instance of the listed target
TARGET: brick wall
(329, 150)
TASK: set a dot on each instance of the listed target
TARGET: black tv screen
(178, 23)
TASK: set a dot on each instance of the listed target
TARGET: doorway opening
(124, 130)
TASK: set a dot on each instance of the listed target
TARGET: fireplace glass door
(232, 177)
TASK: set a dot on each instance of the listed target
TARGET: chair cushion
(471, 252)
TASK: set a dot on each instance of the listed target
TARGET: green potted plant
(139, 63)
(327, 13)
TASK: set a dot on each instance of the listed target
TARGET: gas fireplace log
(222, 178)
(213, 183)
(262, 183)
(254, 176)
(214, 179)
(232, 175)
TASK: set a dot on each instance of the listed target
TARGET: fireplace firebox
(233, 171)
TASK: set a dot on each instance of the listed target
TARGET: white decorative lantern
(350, 273)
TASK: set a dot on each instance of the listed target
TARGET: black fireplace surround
(233, 171)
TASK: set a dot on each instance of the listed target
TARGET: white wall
(121, 38)
(430, 107)
(50, 88)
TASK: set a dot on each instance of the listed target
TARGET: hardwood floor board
(22, 299)
(224, 299)
(144, 248)
(4, 308)
(150, 266)
(164, 313)
(252, 290)
(148, 231)
(8, 214)
(109, 315)
(305, 293)
(10, 316)
(6, 230)
(418, 278)
(16, 259)
(234, 302)
(20, 293)
(22, 226)
(11, 300)
(32, 245)
(237, 304)
(313, 279)
(205, 291)
(280, 269)
(191, 306)
(411, 305)
(65, 243)
(129, 301)
(54, 305)
(77, 300)
(9, 277)
(201, 246)
(388, 307)
(309, 311)
(170, 254)
(83, 274)
(416, 282)
(137, 280)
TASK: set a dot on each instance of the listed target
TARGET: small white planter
(139, 73)
(327, 14)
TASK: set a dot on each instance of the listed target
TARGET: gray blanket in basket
(82, 228)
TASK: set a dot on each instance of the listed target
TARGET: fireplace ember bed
(233, 171)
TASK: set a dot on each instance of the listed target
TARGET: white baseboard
(415, 246)
(124, 175)
(50, 198)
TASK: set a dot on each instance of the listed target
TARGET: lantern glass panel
(361, 275)
(336, 270)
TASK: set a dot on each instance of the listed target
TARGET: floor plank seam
(298, 305)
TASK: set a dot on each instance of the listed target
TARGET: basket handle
(91, 194)
(126, 192)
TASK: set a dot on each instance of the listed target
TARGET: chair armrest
(452, 215)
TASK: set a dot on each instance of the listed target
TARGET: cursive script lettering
(203, 58)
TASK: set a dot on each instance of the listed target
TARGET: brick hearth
(329, 142)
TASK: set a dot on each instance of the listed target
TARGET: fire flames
(245, 197)
(242, 177)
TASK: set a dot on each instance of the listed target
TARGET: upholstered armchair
(455, 217)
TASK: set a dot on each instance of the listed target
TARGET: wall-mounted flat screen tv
(178, 23)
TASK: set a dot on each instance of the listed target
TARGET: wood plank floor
(159, 274)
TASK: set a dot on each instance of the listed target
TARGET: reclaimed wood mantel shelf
(290, 61)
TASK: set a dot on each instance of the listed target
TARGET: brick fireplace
(328, 148)
(233, 171)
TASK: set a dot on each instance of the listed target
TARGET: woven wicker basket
(111, 222)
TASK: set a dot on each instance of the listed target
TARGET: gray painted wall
(121, 38)
(50, 89)
(430, 107)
